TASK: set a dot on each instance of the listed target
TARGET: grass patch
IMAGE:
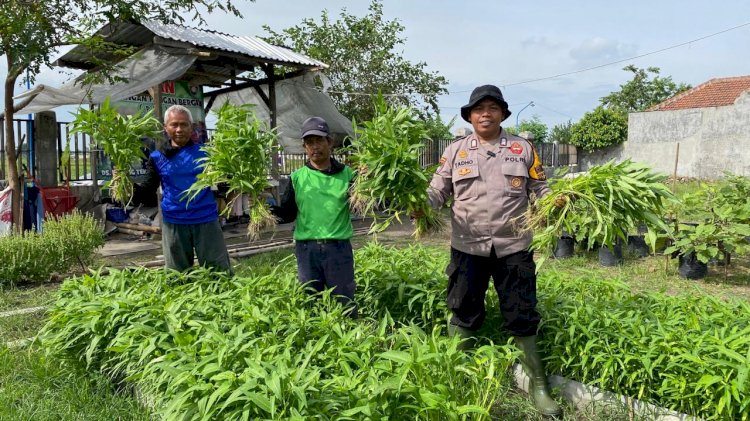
(13, 298)
(21, 326)
(659, 274)
(40, 388)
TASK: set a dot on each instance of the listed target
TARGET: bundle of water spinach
(604, 205)
(239, 155)
(390, 177)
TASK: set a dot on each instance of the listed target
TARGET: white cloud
(598, 51)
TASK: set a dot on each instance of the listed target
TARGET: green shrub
(721, 215)
(28, 257)
(34, 257)
(599, 129)
(78, 234)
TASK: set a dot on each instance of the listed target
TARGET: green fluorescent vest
(323, 203)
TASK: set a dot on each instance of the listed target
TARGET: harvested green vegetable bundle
(121, 138)
(239, 154)
(610, 200)
(390, 176)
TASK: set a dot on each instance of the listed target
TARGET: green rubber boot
(465, 334)
(538, 387)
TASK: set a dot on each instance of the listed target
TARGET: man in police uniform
(490, 174)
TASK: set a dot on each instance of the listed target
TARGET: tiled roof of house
(714, 93)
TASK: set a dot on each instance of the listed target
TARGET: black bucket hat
(480, 93)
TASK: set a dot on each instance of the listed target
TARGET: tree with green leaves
(643, 91)
(365, 59)
(32, 30)
(600, 128)
(533, 126)
(561, 133)
(437, 129)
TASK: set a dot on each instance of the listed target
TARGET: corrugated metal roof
(247, 45)
(138, 35)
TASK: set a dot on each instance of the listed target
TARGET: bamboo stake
(130, 231)
(138, 227)
(674, 173)
(674, 191)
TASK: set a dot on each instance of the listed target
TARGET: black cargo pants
(514, 278)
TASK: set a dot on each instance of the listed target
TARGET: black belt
(324, 241)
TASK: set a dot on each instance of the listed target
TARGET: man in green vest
(318, 199)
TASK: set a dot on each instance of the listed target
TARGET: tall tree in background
(364, 59)
(561, 133)
(534, 126)
(643, 91)
(607, 125)
(31, 31)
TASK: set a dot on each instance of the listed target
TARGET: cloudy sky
(511, 44)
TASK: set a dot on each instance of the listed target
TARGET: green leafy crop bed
(205, 346)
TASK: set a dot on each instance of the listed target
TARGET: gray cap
(315, 126)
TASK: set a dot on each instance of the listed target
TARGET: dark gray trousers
(325, 264)
(182, 242)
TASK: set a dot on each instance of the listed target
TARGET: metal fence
(557, 155)
(80, 169)
(289, 162)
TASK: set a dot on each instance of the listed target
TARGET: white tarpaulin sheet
(6, 213)
(142, 70)
(296, 99)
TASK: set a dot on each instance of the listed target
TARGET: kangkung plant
(690, 354)
(208, 346)
(239, 155)
(605, 204)
(121, 138)
(385, 153)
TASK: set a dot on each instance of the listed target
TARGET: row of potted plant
(614, 205)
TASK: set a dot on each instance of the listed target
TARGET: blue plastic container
(117, 215)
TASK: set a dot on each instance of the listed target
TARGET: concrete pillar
(527, 135)
(45, 148)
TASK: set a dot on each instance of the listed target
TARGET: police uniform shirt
(490, 186)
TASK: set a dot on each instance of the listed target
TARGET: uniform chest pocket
(464, 182)
(516, 178)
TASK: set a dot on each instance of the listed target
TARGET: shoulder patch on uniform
(530, 143)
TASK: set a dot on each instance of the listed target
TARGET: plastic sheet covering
(296, 99)
(142, 70)
(6, 215)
